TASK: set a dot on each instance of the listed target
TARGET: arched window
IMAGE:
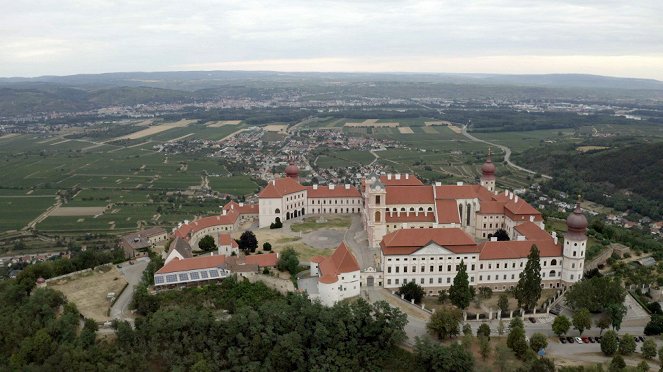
(411, 209)
(430, 209)
(421, 209)
(277, 211)
(460, 212)
(402, 209)
(553, 262)
(469, 213)
(552, 273)
(377, 216)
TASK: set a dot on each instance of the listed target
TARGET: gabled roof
(447, 211)
(408, 241)
(226, 240)
(517, 208)
(192, 227)
(242, 208)
(491, 207)
(517, 249)
(181, 246)
(409, 195)
(404, 180)
(340, 262)
(280, 187)
(532, 231)
(339, 191)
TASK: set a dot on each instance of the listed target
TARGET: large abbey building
(423, 232)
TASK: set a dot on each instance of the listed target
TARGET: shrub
(648, 349)
(538, 341)
(411, 291)
(266, 246)
(627, 345)
(484, 330)
(609, 343)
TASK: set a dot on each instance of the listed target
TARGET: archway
(287, 215)
(370, 281)
(302, 211)
(377, 216)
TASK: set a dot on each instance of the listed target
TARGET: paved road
(355, 239)
(133, 275)
(507, 153)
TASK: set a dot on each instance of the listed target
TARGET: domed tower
(575, 245)
(488, 173)
(292, 170)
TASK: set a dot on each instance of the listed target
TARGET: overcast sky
(607, 37)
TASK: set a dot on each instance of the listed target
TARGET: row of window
(343, 201)
(294, 197)
(335, 210)
(551, 274)
(466, 258)
(423, 281)
(431, 269)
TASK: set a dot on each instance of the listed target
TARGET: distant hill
(624, 177)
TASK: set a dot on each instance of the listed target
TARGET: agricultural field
(236, 185)
(17, 211)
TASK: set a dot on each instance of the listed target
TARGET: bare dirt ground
(279, 128)
(155, 129)
(89, 290)
(438, 122)
(219, 124)
(145, 123)
(405, 130)
(455, 129)
(78, 211)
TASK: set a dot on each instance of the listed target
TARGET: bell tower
(575, 245)
(488, 174)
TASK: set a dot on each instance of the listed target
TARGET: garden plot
(371, 123)
(278, 128)
(155, 129)
(78, 211)
(405, 130)
(219, 124)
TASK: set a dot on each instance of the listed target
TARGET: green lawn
(309, 224)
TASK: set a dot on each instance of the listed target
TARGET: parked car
(562, 340)
(598, 338)
(570, 339)
(591, 339)
(585, 339)
(532, 319)
(579, 340)
(642, 339)
(636, 338)
(132, 262)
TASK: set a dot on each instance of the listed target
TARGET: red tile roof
(280, 187)
(195, 263)
(447, 211)
(463, 192)
(532, 231)
(339, 191)
(408, 241)
(409, 195)
(241, 208)
(340, 262)
(227, 240)
(405, 180)
(519, 208)
(491, 207)
(517, 249)
(192, 227)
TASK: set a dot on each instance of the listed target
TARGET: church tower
(375, 210)
(575, 245)
(292, 171)
(488, 174)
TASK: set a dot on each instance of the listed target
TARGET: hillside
(624, 177)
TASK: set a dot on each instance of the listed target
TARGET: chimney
(274, 182)
(493, 238)
(516, 200)
(438, 183)
(459, 183)
(186, 222)
(398, 176)
(506, 192)
(315, 187)
(224, 212)
(407, 176)
(531, 218)
(389, 176)
(554, 236)
(521, 238)
(331, 186)
(347, 186)
(241, 204)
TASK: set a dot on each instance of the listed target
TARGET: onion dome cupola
(576, 222)
(488, 168)
(292, 170)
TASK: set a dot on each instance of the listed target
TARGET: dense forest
(234, 326)
(625, 177)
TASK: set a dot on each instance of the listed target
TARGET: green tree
(442, 296)
(503, 302)
(484, 347)
(266, 246)
(627, 345)
(484, 330)
(411, 291)
(617, 311)
(642, 366)
(516, 339)
(582, 320)
(467, 329)
(617, 364)
(460, 292)
(538, 341)
(431, 356)
(528, 289)
(445, 322)
(595, 293)
(288, 261)
(248, 242)
(561, 325)
(648, 349)
(207, 243)
(660, 356)
(603, 323)
(609, 343)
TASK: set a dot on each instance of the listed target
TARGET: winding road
(507, 153)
